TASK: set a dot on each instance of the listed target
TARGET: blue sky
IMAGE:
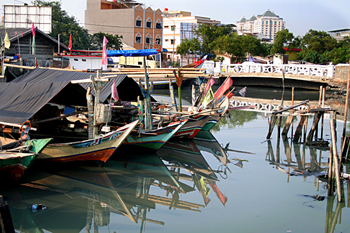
(300, 15)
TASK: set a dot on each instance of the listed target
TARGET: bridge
(266, 105)
(295, 75)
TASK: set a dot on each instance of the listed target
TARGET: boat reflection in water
(82, 198)
(186, 162)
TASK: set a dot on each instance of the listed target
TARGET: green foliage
(284, 38)
(187, 46)
(237, 118)
(320, 48)
(114, 42)
(65, 25)
(209, 34)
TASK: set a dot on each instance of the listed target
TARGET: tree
(208, 35)
(188, 46)
(114, 41)
(65, 26)
(283, 39)
(318, 41)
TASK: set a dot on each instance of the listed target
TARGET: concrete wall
(342, 72)
(111, 21)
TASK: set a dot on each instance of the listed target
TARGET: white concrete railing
(313, 70)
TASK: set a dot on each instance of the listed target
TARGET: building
(20, 51)
(140, 27)
(340, 34)
(267, 24)
(180, 25)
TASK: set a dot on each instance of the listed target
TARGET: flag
(33, 43)
(7, 41)
(70, 42)
(114, 92)
(243, 91)
(209, 84)
(223, 88)
(104, 52)
(209, 96)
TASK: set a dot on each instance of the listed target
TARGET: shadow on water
(83, 199)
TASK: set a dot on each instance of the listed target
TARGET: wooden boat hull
(13, 168)
(14, 164)
(155, 141)
(192, 127)
(213, 120)
(97, 150)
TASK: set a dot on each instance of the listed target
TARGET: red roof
(293, 50)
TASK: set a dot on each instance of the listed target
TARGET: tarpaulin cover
(24, 96)
(131, 53)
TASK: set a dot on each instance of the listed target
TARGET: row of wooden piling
(311, 138)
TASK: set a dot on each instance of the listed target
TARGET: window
(148, 40)
(138, 23)
(262, 22)
(149, 24)
(173, 27)
(138, 39)
(166, 26)
(158, 25)
(166, 40)
(267, 22)
(172, 41)
(158, 41)
(84, 60)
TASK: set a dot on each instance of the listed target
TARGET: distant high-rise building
(267, 25)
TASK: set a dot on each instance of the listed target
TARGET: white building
(267, 24)
(177, 26)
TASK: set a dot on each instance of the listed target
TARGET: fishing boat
(15, 160)
(153, 139)
(97, 150)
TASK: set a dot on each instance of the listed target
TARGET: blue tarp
(131, 53)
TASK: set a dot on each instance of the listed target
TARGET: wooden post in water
(314, 126)
(330, 173)
(346, 104)
(336, 162)
(288, 123)
(299, 129)
(271, 126)
(291, 132)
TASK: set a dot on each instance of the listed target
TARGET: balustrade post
(330, 71)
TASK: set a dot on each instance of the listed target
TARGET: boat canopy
(131, 53)
(26, 95)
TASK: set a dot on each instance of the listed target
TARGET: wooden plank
(291, 107)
